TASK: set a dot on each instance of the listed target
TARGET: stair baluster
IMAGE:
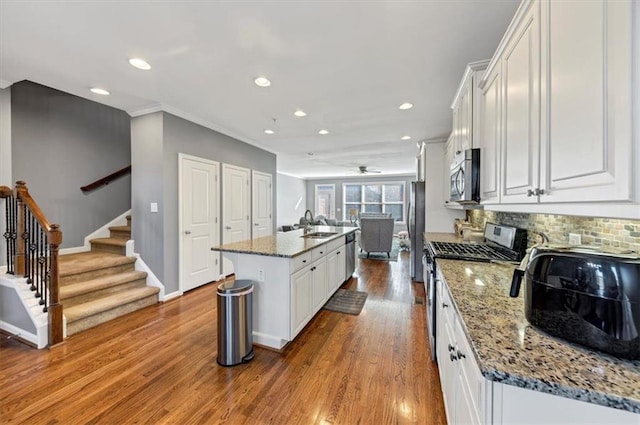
(32, 251)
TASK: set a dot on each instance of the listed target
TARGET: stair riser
(91, 296)
(92, 274)
(91, 321)
(96, 246)
(129, 220)
(120, 234)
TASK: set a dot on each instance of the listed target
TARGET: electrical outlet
(575, 239)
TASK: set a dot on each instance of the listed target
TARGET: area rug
(395, 248)
(346, 301)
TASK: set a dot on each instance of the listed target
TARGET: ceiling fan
(362, 169)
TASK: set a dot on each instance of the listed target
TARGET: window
(374, 197)
(325, 200)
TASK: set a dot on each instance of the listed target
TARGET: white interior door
(262, 201)
(199, 210)
(235, 208)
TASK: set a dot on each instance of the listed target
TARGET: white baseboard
(22, 334)
(172, 295)
(141, 266)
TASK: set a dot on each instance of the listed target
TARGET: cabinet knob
(445, 305)
(187, 232)
(529, 192)
(255, 224)
(460, 355)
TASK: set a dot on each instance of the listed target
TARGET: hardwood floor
(158, 365)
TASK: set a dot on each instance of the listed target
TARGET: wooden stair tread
(100, 305)
(71, 264)
(120, 228)
(109, 241)
(87, 286)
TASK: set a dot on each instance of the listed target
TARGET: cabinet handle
(255, 224)
(529, 192)
(187, 232)
(304, 261)
(445, 305)
(228, 227)
(538, 192)
(453, 357)
(451, 347)
(338, 253)
(460, 355)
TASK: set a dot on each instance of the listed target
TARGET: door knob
(187, 232)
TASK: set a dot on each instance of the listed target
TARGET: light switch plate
(575, 239)
(154, 207)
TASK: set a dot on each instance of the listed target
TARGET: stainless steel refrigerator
(416, 225)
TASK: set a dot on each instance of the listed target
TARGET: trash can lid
(235, 286)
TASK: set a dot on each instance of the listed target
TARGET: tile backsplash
(620, 233)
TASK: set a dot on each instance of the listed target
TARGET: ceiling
(347, 64)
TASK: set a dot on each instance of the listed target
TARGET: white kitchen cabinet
(587, 101)
(301, 308)
(568, 92)
(464, 134)
(335, 269)
(514, 405)
(490, 137)
(319, 284)
(465, 391)
(521, 113)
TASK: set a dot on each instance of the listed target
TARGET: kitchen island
(294, 276)
(515, 372)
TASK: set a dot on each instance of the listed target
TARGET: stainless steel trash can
(235, 322)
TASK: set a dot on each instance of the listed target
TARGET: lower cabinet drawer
(300, 261)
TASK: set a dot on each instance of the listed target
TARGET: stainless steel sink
(319, 235)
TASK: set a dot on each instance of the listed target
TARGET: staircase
(102, 284)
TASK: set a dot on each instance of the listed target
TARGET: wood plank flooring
(158, 365)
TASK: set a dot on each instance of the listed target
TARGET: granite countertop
(509, 350)
(284, 244)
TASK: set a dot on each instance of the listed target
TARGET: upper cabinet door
(521, 75)
(465, 118)
(587, 101)
(489, 135)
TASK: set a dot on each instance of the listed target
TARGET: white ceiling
(347, 64)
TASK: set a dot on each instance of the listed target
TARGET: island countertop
(509, 350)
(284, 244)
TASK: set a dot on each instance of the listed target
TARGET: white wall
(291, 199)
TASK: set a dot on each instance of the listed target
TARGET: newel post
(55, 308)
(21, 187)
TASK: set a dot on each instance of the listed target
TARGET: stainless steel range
(502, 243)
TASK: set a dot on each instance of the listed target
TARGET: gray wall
(167, 135)
(147, 228)
(12, 310)
(5, 158)
(338, 181)
(61, 142)
(291, 199)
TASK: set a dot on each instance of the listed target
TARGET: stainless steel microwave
(465, 177)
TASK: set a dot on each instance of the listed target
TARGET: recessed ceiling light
(406, 106)
(300, 113)
(98, 90)
(269, 131)
(140, 64)
(323, 131)
(262, 82)
(406, 137)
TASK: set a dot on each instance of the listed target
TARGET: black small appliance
(584, 296)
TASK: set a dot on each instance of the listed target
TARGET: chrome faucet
(307, 225)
